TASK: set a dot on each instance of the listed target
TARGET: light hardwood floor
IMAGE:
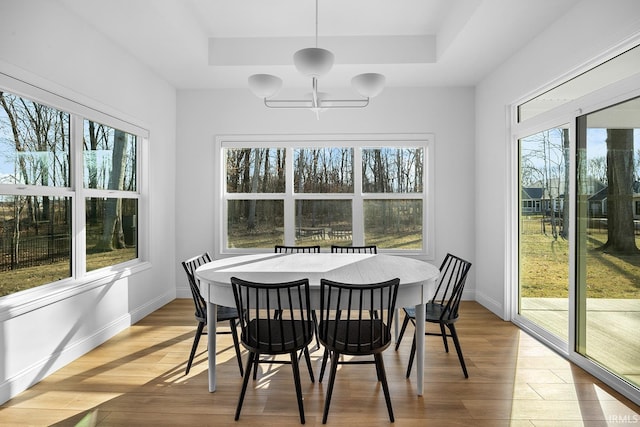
(137, 378)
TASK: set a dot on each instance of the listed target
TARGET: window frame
(79, 280)
(426, 141)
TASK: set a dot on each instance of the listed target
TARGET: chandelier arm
(294, 104)
(356, 103)
(288, 103)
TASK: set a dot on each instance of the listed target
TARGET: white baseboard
(183, 292)
(490, 304)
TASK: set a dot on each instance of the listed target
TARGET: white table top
(350, 268)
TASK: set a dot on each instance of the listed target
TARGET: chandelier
(315, 62)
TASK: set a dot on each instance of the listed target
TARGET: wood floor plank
(137, 379)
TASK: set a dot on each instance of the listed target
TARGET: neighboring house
(531, 200)
(535, 200)
(598, 203)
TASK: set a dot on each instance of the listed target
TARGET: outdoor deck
(613, 327)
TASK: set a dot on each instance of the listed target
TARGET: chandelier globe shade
(368, 84)
(313, 61)
(264, 85)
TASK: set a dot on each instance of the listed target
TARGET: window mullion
(289, 200)
(78, 227)
(357, 210)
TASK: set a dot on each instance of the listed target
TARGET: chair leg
(385, 386)
(308, 359)
(456, 342)
(402, 329)
(412, 355)
(255, 367)
(332, 380)
(378, 373)
(315, 327)
(296, 380)
(236, 344)
(325, 356)
(196, 340)
(444, 337)
(253, 358)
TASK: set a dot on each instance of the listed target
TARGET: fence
(33, 251)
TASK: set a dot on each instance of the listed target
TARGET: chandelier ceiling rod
(316, 24)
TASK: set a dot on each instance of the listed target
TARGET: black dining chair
(443, 308)
(312, 249)
(347, 327)
(263, 333)
(367, 249)
(338, 249)
(223, 313)
(283, 249)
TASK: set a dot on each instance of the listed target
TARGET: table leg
(396, 318)
(419, 362)
(211, 341)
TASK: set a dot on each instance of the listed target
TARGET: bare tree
(39, 150)
(544, 162)
(597, 168)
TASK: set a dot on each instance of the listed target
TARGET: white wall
(586, 32)
(43, 44)
(448, 113)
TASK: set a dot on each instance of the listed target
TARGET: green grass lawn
(26, 278)
(544, 266)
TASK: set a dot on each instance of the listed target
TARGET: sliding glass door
(608, 229)
(577, 254)
(606, 307)
(543, 230)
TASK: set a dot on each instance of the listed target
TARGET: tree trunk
(620, 230)
(92, 214)
(251, 219)
(112, 218)
(567, 166)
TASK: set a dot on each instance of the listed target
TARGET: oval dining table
(417, 285)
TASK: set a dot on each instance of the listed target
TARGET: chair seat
(433, 313)
(366, 338)
(226, 313)
(267, 335)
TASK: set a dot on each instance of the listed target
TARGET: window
(68, 189)
(109, 164)
(327, 190)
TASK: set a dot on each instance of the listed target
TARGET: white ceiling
(218, 43)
